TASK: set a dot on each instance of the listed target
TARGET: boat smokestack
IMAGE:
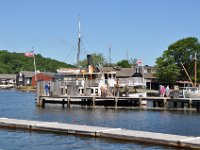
(90, 60)
(90, 64)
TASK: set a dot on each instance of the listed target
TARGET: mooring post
(154, 104)
(140, 102)
(197, 106)
(43, 103)
(190, 103)
(68, 102)
(93, 101)
(38, 102)
(175, 104)
(63, 102)
(165, 103)
(116, 101)
(182, 104)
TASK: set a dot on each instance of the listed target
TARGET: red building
(41, 77)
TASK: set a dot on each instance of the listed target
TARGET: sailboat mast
(79, 41)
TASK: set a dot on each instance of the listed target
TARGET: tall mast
(79, 41)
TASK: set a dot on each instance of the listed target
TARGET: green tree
(124, 63)
(169, 64)
(15, 62)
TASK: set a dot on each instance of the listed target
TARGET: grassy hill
(15, 62)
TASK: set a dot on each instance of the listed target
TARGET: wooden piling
(93, 101)
(63, 102)
(165, 103)
(43, 103)
(190, 103)
(116, 101)
(68, 102)
(197, 106)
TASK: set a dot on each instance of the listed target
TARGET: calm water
(21, 105)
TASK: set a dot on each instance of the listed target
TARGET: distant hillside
(15, 62)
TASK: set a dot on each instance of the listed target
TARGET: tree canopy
(124, 64)
(169, 65)
(16, 62)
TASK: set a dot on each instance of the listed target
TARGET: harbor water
(21, 105)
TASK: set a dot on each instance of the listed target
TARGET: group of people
(164, 91)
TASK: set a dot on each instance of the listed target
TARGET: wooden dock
(103, 132)
(164, 103)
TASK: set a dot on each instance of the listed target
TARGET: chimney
(90, 64)
(90, 61)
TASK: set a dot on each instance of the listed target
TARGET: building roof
(28, 74)
(125, 72)
(7, 76)
(120, 72)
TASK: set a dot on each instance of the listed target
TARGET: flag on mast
(139, 61)
(29, 54)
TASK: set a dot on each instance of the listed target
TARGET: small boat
(136, 94)
(6, 86)
(191, 92)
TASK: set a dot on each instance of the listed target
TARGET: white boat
(191, 92)
(131, 90)
(6, 86)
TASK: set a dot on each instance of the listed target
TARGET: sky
(133, 29)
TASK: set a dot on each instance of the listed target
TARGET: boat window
(92, 90)
(96, 91)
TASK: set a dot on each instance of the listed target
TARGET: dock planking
(103, 132)
(136, 102)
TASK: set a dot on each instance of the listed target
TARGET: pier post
(43, 103)
(68, 102)
(190, 103)
(154, 104)
(175, 104)
(165, 103)
(197, 106)
(116, 101)
(38, 102)
(140, 102)
(182, 104)
(93, 101)
(63, 102)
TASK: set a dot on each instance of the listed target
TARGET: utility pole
(127, 55)
(195, 69)
(109, 55)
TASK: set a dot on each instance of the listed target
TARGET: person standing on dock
(167, 91)
(162, 90)
(47, 88)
